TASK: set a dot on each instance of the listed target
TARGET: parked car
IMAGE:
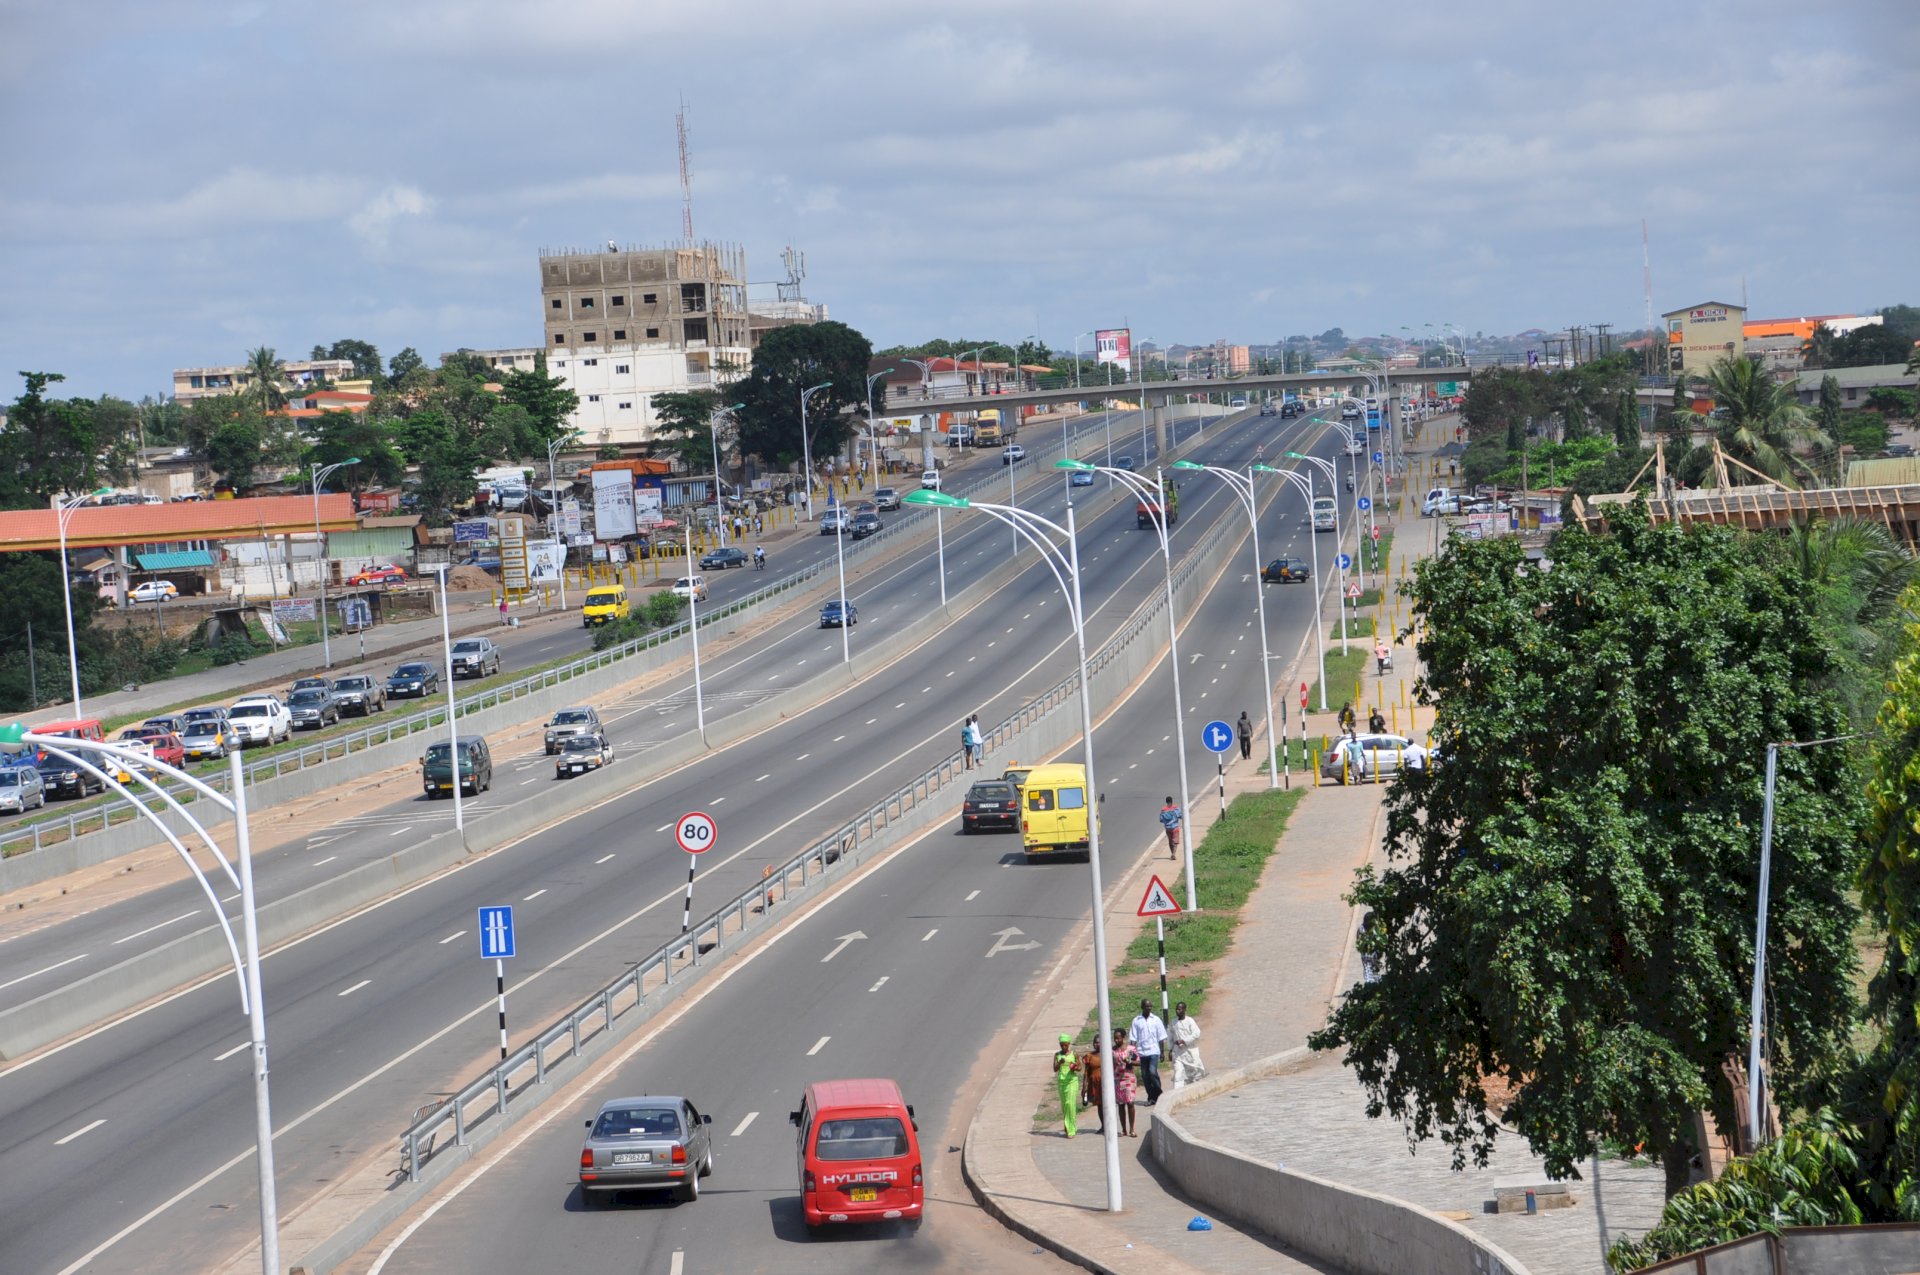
(1286, 571)
(929, 480)
(205, 738)
(885, 498)
(693, 588)
(581, 754)
(646, 1144)
(1012, 454)
(259, 719)
(721, 559)
(833, 521)
(475, 657)
(308, 684)
(839, 612)
(153, 591)
(21, 789)
(1370, 756)
(169, 723)
(168, 748)
(313, 707)
(61, 778)
(360, 694)
(865, 525)
(389, 576)
(415, 679)
(567, 723)
(991, 803)
(476, 767)
(207, 713)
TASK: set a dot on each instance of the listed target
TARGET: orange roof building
(112, 526)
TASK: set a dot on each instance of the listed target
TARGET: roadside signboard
(1218, 738)
(514, 575)
(496, 933)
(1158, 900)
(1343, 561)
(471, 531)
(570, 517)
(695, 832)
(290, 610)
(1365, 503)
(1353, 590)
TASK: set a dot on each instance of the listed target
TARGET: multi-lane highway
(128, 1149)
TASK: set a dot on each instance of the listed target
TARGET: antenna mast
(1646, 272)
(686, 175)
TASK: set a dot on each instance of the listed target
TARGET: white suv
(259, 719)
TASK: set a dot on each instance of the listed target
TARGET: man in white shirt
(1149, 1035)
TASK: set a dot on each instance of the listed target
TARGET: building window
(559, 362)
(622, 367)
(557, 304)
(650, 298)
(618, 299)
(1852, 393)
(586, 336)
(559, 338)
(593, 398)
(652, 333)
(586, 303)
(626, 407)
(619, 334)
(589, 362)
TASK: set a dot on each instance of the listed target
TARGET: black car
(1292, 407)
(864, 525)
(720, 559)
(313, 707)
(991, 803)
(837, 613)
(1286, 571)
(413, 680)
(62, 778)
(1123, 462)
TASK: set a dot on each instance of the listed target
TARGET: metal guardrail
(563, 1040)
(43, 832)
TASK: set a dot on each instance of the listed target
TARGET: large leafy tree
(235, 451)
(793, 359)
(1761, 423)
(402, 367)
(548, 403)
(681, 426)
(54, 445)
(343, 435)
(1567, 906)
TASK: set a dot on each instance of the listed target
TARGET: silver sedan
(646, 1144)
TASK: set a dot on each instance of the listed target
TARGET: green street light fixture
(936, 499)
(1070, 463)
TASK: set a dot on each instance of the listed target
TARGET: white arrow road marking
(1004, 941)
(841, 946)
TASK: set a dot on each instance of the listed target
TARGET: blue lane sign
(1217, 736)
(496, 933)
(472, 531)
(1365, 503)
(1344, 561)
(1378, 459)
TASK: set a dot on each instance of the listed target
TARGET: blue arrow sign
(1343, 561)
(1378, 459)
(496, 933)
(1217, 736)
(1365, 503)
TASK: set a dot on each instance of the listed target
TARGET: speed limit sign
(695, 832)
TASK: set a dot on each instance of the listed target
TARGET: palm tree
(266, 373)
(1855, 572)
(1817, 350)
(1759, 421)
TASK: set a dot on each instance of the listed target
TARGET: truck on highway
(1055, 813)
(988, 430)
(1146, 511)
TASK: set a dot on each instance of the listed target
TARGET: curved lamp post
(806, 444)
(1065, 565)
(1331, 471)
(553, 496)
(1304, 485)
(319, 479)
(873, 446)
(239, 873)
(1243, 490)
(713, 440)
(61, 514)
(1155, 502)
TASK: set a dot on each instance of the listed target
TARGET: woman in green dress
(1066, 1079)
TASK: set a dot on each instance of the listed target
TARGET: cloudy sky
(185, 181)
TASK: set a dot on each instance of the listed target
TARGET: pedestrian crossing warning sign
(1158, 900)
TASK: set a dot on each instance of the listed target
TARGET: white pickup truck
(260, 719)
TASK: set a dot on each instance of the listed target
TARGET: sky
(186, 181)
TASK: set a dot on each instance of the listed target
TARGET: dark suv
(61, 778)
(360, 694)
(476, 768)
(864, 525)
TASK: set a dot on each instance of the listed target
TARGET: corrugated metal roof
(181, 560)
(390, 520)
(104, 526)
(1888, 471)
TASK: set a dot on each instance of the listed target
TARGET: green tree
(1870, 346)
(1891, 401)
(163, 422)
(447, 470)
(1818, 349)
(1626, 421)
(793, 359)
(50, 446)
(403, 366)
(362, 354)
(681, 427)
(1759, 421)
(340, 435)
(234, 451)
(266, 377)
(1853, 572)
(548, 402)
(1567, 904)
(1828, 415)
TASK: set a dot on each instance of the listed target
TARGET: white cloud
(373, 221)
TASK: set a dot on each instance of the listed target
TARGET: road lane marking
(536, 894)
(663, 827)
(872, 720)
(245, 1044)
(356, 987)
(87, 1128)
(151, 928)
(451, 937)
(716, 801)
(398, 832)
(803, 756)
(929, 934)
(742, 1126)
(764, 777)
(973, 896)
(838, 738)
(818, 1045)
(882, 983)
(602, 859)
(324, 862)
(903, 703)
(534, 780)
(675, 1265)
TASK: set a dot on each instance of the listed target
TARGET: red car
(168, 748)
(379, 575)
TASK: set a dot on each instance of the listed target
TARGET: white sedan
(153, 591)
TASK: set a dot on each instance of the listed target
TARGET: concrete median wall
(1359, 1231)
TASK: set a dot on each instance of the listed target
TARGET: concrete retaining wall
(1359, 1231)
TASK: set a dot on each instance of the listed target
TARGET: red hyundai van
(858, 1153)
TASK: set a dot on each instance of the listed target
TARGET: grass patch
(1226, 868)
(1343, 673)
(1357, 626)
(1295, 752)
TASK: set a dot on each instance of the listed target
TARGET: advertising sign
(613, 504)
(646, 506)
(290, 610)
(355, 614)
(513, 553)
(570, 517)
(472, 531)
(1113, 345)
(545, 558)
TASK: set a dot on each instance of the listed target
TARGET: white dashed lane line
(356, 987)
(536, 894)
(818, 1045)
(882, 983)
(973, 896)
(324, 862)
(85, 1128)
(742, 1126)
(151, 928)
(245, 1044)
(929, 934)
(602, 859)
(451, 937)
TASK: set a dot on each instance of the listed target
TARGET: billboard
(1113, 345)
(570, 517)
(612, 504)
(471, 531)
(513, 553)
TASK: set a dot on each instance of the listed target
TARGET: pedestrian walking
(1090, 1074)
(976, 743)
(1126, 1084)
(1382, 656)
(1375, 722)
(1148, 1035)
(1346, 718)
(1185, 1038)
(1246, 737)
(503, 606)
(1066, 1083)
(966, 743)
(1170, 821)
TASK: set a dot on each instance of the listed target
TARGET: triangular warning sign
(1158, 900)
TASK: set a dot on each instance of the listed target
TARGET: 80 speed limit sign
(695, 832)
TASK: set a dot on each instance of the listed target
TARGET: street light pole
(806, 444)
(873, 445)
(1305, 487)
(1155, 501)
(553, 496)
(64, 512)
(713, 440)
(1066, 573)
(319, 478)
(693, 631)
(1332, 472)
(453, 729)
